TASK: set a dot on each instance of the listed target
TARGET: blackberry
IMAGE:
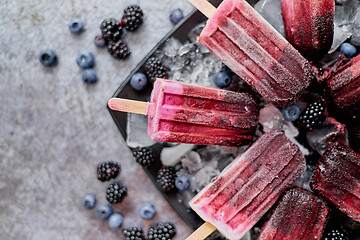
(133, 233)
(162, 231)
(111, 30)
(166, 178)
(143, 156)
(155, 69)
(313, 115)
(118, 49)
(335, 234)
(115, 193)
(132, 18)
(107, 170)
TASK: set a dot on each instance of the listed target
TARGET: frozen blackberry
(107, 170)
(162, 231)
(133, 233)
(313, 115)
(111, 30)
(155, 69)
(118, 49)
(143, 156)
(115, 193)
(132, 18)
(166, 178)
(335, 234)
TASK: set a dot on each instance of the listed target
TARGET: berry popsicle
(299, 215)
(337, 178)
(309, 25)
(254, 50)
(235, 200)
(186, 113)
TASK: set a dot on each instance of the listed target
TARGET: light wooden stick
(132, 106)
(202, 232)
(204, 6)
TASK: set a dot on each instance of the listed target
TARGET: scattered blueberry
(348, 50)
(138, 81)
(76, 26)
(85, 59)
(100, 41)
(89, 201)
(115, 220)
(104, 211)
(182, 182)
(222, 79)
(89, 76)
(48, 58)
(147, 211)
(176, 15)
(291, 112)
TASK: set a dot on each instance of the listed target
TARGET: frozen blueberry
(222, 79)
(76, 26)
(115, 220)
(89, 201)
(85, 59)
(89, 76)
(147, 211)
(348, 50)
(182, 182)
(48, 58)
(104, 211)
(291, 112)
(138, 81)
(100, 41)
(176, 15)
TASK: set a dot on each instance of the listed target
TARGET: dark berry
(111, 30)
(89, 76)
(133, 233)
(89, 201)
(335, 234)
(222, 79)
(348, 50)
(76, 26)
(147, 211)
(48, 58)
(100, 41)
(132, 18)
(143, 156)
(115, 220)
(162, 231)
(104, 211)
(166, 178)
(182, 182)
(291, 112)
(176, 15)
(118, 49)
(115, 193)
(107, 170)
(85, 59)
(155, 69)
(313, 115)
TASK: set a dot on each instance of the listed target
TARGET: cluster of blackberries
(160, 231)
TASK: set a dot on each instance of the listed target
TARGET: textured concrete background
(54, 129)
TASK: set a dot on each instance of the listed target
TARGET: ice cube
(203, 177)
(271, 11)
(195, 32)
(171, 47)
(304, 180)
(355, 38)
(170, 156)
(136, 131)
(191, 162)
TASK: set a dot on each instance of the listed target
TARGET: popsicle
(309, 25)
(337, 178)
(186, 113)
(235, 200)
(299, 215)
(254, 50)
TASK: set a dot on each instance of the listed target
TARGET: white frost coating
(170, 156)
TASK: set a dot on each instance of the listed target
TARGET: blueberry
(89, 76)
(182, 182)
(138, 81)
(100, 41)
(115, 220)
(85, 59)
(48, 58)
(104, 211)
(222, 79)
(176, 15)
(76, 26)
(147, 211)
(89, 201)
(348, 50)
(291, 112)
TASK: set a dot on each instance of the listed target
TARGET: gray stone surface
(54, 129)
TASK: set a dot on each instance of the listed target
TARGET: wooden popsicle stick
(202, 232)
(132, 106)
(204, 6)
